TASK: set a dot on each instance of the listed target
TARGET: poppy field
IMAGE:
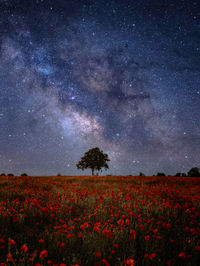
(122, 220)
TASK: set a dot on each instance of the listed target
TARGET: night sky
(120, 75)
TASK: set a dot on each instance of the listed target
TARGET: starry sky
(121, 75)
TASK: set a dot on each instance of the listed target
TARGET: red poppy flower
(43, 254)
(24, 248)
(152, 256)
(147, 238)
(129, 262)
(97, 254)
(10, 258)
(182, 255)
(116, 245)
(11, 242)
(105, 262)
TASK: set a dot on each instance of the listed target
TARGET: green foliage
(194, 172)
(93, 159)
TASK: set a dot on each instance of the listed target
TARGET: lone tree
(94, 159)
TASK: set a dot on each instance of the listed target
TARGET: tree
(194, 172)
(141, 174)
(160, 174)
(178, 174)
(24, 174)
(10, 174)
(93, 159)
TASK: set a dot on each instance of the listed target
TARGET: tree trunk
(92, 171)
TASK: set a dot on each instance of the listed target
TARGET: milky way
(120, 75)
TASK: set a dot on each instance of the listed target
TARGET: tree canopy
(194, 172)
(93, 159)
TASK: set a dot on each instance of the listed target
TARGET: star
(101, 74)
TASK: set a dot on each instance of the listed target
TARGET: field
(99, 221)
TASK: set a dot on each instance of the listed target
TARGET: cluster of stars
(124, 77)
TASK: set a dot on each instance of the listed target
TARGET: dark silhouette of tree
(3, 174)
(93, 159)
(194, 172)
(24, 174)
(141, 174)
(160, 174)
(178, 174)
(10, 174)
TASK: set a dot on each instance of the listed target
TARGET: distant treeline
(193, 172)
(3, 174)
